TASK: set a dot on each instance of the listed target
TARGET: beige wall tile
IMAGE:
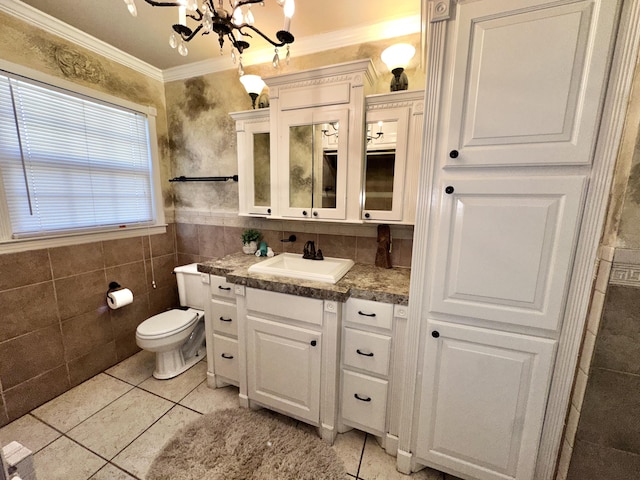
(94, 362)
(28, 395)
(85, 332)
(82, 293)
(121, 251)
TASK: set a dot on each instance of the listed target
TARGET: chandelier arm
(281, 44)
(182, 32)
(153, 3)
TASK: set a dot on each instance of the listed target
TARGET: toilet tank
(190, 287)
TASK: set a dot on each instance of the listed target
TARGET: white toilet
(177, 336)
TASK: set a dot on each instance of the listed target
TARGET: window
(71, 163)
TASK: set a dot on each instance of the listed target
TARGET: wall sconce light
(397, 57)
(334, 125)
(375, 136)
(253, 84)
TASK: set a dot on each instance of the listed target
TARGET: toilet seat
(167, 323)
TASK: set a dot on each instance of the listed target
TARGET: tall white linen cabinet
(506, 229)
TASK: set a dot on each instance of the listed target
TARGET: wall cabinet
(291, 356)
(221, 327)
(255, 167)
(392, 153)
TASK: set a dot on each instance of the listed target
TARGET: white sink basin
(329, 270)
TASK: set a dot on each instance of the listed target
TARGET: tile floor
(112, 426)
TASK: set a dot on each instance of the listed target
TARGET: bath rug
(243, 444)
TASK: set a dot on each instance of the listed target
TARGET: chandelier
(234, 24)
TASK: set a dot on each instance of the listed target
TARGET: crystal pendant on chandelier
(288, 56)
(276, 60)
(173, 40)
(131, 6)
(240, 67)
(233, 55)
(182, 49)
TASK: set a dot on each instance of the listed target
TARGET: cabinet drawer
(369, 313)
(367, 351)
(220, 288)
(224, 317)
(225, 362)
(364, 400)
(303, 309)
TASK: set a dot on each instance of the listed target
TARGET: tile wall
(607, 435)
(56, 330)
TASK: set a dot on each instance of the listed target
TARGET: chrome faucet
(309, 251)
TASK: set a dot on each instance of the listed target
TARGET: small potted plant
(250, 239)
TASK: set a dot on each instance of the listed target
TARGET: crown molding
(304, 46)
(56, 27)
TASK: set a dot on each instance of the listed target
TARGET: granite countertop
(389, 285)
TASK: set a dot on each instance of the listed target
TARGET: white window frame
(10, 245)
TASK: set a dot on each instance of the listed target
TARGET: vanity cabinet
(221, 327)
(371, 369)
(255, 166)
(317, 119)
(392, 156)
(291, 356)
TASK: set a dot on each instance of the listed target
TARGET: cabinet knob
(454, 154)
(362, 399)
(304, 212)
(449, 190)
(315, 214)
(367, 215)
(313, 343)
(268, 210)
(435, 334)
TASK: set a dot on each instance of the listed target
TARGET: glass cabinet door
(262, 169)
(315, 142)
(385, 161)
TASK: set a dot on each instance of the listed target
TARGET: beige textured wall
(202, 140)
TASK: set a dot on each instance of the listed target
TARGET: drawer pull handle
(228, 357)
(362, 399)
(224, 288)
(222, 319)
(359, 352)
(360, 312)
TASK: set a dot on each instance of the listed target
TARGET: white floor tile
(138, 456)
(175, 389)
(349, 448)
(66, 460)
(28, 431)
(135, 369)
(114, 427)
(109, 472)
(206, 400)
(79, 403)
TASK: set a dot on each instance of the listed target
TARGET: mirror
(380, 163)
(262, 169)
(313, 164)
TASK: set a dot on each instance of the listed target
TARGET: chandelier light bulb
(289, 10)
(237, 16)
(182, 15)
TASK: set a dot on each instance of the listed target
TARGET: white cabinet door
(483, 400)
(528, 81)
(313, 174)
(254, 162)
(283, 363)
(505, 248)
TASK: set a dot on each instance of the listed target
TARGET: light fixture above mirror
(397, 57)
(254, 85)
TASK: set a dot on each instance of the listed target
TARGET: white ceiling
(145, 37)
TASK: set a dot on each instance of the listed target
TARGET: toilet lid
(166, 323)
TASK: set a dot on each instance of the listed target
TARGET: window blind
(70, 163)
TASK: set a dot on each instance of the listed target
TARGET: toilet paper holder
(113, 286)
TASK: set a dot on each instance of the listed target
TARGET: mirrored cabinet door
(255, 169)
(313, 177)
(385, 163)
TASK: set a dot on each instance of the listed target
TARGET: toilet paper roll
(119, 298)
